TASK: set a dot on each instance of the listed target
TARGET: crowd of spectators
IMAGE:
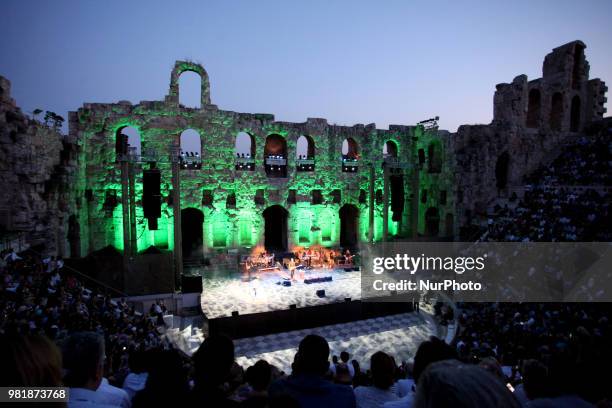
(54, 331)
(566, 201)
(584, 163)
(41, 296)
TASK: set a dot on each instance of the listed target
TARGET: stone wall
(241, 225)
(36, 163)
(531, 120)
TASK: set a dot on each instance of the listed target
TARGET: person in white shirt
(137, 378)
(112, 395)
(83, 357)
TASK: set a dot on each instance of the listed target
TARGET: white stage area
(223, 293)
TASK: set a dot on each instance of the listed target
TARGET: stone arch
(127, 141)
(533, 108)
(575, 114)
(390, 149)
(350, 148)
(275, 156)
(192, 221)
(245, 145)
(434, 157)
(184, 66)
(432, 222)
(349, 226)
(275, 228)
(556, 111)
(305, 148)
(191, 142)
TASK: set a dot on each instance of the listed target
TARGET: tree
(52, 118)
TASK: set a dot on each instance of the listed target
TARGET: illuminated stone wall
(160, 124)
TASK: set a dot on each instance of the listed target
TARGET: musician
(348, 258)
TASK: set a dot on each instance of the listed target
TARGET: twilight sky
(395, 62)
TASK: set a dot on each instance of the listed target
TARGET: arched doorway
(575, 114)
(349, 226)
(556, 111)
(501, 170)
(533, 109)
(191, 229)
(432, 222)
(275, 231)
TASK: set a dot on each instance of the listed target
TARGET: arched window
(191, 149)
(304, 153)
(575, 114)
(350, 155)
(434, 157)
(533, 110)
(275, 156)
(390, 149)
(245, 152)
(190, 88)
(556, 111)
(127, 143)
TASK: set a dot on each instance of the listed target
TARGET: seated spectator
(137, 378)
(306, 383)
(213, 364)
(258, 376)
(383, 377)
(83, 355)
(452, 384)
(166, 383)
(112, 395)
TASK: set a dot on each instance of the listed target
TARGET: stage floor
(223, 293)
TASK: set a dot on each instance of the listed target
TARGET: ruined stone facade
(72, 193)
(36, 166)
(233, 199)
(531, 120)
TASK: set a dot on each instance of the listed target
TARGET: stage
(229, 291)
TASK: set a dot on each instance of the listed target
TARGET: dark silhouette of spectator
(383, 377)
(29, 361)
(307, 385)
(258, 376)
(429, 352)
(452, 384)
(166, 383)
(213, 362)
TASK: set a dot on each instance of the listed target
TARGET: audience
(306, 383)
(451, 384)
(212, 368)
(83, 356)
(383, 378)
(503, 355)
